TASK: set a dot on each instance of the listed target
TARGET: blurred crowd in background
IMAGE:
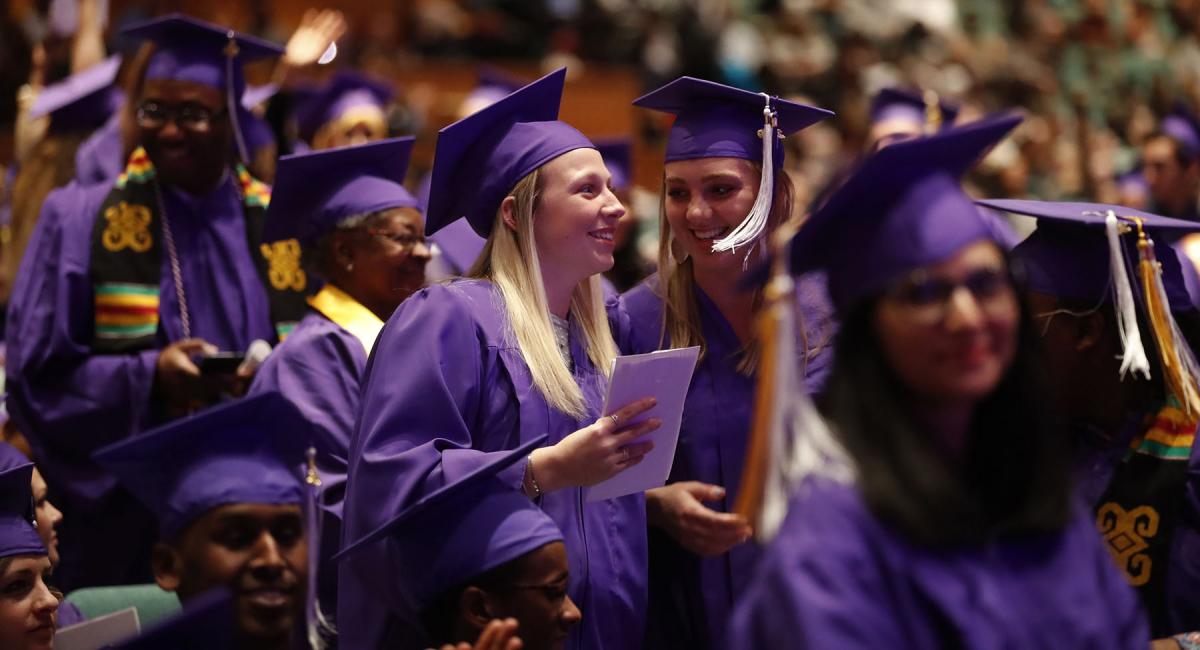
(1094, 76)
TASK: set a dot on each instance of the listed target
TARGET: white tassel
(751, 229)
(1133, 355)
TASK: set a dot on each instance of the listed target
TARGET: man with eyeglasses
(127, 287)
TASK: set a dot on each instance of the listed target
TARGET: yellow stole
(347, 313)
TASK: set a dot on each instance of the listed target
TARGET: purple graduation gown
(836, 577)
(691, 597)
(70, 402)
(445, 389)
(100, 158)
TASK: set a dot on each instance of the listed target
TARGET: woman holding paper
(465, 370)
(940, 513)
(724, 196)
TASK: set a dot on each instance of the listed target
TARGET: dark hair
(1183, 155)
(440, 615)
(1014, 477)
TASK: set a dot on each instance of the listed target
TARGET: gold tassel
(1179, 366)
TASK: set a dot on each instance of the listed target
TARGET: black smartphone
(221, 363)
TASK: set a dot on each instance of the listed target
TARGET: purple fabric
(314, 191)
(1067, 256)
(69, 402)
(490, 151)
(618, 158)
(1181, 126)
(194, 50)
(718, 121)
(900, 104)
(692, 597)
(68, 615)
(446, 392)
(205, 622)
(447, 537)
(902, 209)
(460, 244)
(100, 158)
(83, 100)
(18, 525)
(835, 577)
(247, 451)
(11, 457)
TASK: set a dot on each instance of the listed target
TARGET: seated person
(28, 607)
(472, 553)
(227, 490)
(48, 518)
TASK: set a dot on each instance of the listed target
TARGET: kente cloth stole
(126, 263)
(1140, 508)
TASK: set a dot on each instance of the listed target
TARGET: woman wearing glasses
(940, 513)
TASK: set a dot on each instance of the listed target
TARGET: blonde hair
(510, 261)
(681, 326)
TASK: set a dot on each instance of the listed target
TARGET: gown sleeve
(60, 393)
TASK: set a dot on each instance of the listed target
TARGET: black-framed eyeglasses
(554, 592)
(191, 116)
(928, 296)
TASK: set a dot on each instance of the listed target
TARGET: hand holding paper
(596, 452)
(665, 375)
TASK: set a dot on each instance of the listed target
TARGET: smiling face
(27, 607)
(949, 331)
(574, 223)
(256, 550)
(386, 258)
(705, 200)
(539, 601)
(186, 131)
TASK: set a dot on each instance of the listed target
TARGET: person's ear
(476, 608)
(508, 212)
(167, 565)
(342, 250)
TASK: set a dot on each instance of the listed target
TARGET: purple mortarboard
(1183, 127)
(452, 534)
(345, 93)
(11, 457)
(902, 209)
(18, 521)
(460, 244)
(314, 191)
(187, 49)
(480, 158)
(82, 101)
(713, 120)
(1068, 255)
(205, 623)
(1133, 181)
(896, 104)
(247, 451)
(618, 157)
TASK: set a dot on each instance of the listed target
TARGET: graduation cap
(206, 623)
(903, 208)
(461, 530)
(713, 120)
(460, 245)
(18, 521)
(82, 101)
(188, 49)
(1183, 127)
(618, 158)
(922, 110)
(11, 457)
(315, 191)
(480, 158)
(1095, 252)
(247, 451)
(348, 95)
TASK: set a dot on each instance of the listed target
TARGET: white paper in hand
(664, 375)
(100, 632)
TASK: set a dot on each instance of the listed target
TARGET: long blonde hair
(510, 261)
(681, 326)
